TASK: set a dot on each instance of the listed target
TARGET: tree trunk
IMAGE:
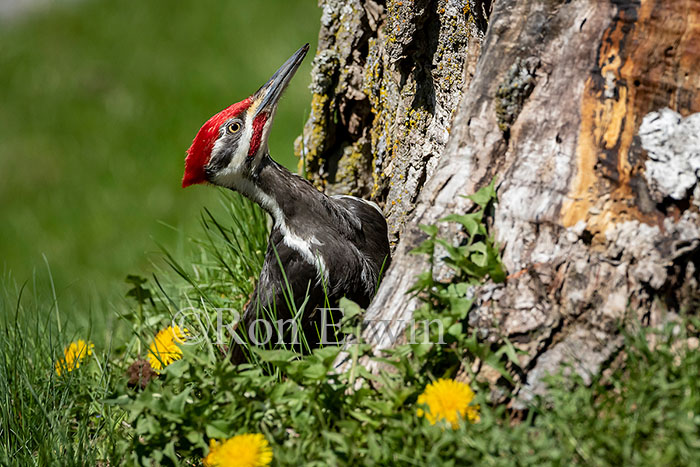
(585, 110)
(386, 82)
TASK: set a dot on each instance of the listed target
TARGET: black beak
(269, 95)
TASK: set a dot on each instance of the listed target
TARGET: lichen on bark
(386, 81)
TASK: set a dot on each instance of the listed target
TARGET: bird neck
(279, 192)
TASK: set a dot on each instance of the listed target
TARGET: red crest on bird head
(200, 151)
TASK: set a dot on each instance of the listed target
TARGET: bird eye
(233, 127)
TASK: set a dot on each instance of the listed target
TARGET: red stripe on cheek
(256, 139)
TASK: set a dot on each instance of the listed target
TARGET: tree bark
(585, 110)
(386, 81)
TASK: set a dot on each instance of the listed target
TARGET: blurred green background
(99, 101)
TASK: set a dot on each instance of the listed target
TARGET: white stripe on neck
(305, 247)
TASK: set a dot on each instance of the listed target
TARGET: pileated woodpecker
(328, 247)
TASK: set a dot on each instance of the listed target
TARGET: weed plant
(644, 413)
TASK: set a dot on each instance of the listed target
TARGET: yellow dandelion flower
(73, 354)
(164, 350)
(249, 450)
(447, 399)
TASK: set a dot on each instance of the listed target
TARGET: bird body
(321, 248)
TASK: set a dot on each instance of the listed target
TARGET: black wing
(279, 294)
(374, 240)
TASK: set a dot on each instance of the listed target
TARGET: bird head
(231, 144)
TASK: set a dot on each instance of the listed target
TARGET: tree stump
(584, 110)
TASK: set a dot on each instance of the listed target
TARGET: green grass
(100, 100)
(644, 413)
(44, 419)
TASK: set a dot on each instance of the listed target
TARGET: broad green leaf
(470, 222)
(349, 308)
(275, 355)
(327, 354)
(315, 371)
(425, 248)
(177, 404)
(218, 429)
(485, 195)
(431, 230)
(195, 438)
(169, 451)
(455, 329)
(177, 368)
